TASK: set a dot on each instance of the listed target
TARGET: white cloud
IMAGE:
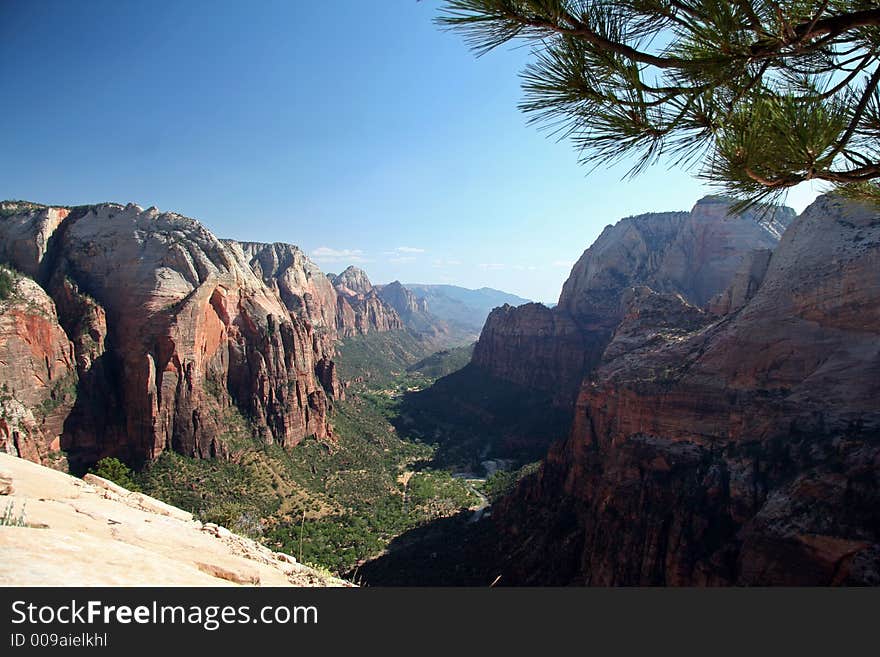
(491, 266)
(562, 263)
(441, 262)
(326, 254)
(402, 254)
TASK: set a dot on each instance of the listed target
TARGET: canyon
(725, 424)
(703, 399)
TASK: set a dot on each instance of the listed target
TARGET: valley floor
(332, 503)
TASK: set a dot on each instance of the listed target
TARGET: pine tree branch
(774, 88)
(860, 110)
(837, 25)
(583, 31)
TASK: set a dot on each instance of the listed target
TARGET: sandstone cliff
(307, 293)
(695, 255)
(402, 300)
(37, 372)
(302, 286)
(360, 309)
(169, 327)
(353, 281)
(413, 312)
(740, 449)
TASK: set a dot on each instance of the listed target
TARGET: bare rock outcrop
(301, 285)
(741, 449)
(170, 326)
(38, 376)
(359, 308)
(25, 231)
(71, 532)
(692, 254)
(413, 311)
(353, 281)
(745, 283)
(307, 293)
(403, 300)
(538, 347)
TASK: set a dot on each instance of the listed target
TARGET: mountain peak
(402, 300)
(354, 279)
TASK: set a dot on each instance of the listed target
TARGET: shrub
(10, 519)
(7, 283)
(116, 471)
(236, 517)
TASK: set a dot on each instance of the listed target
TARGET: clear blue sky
(354, 129)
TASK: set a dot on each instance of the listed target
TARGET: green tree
(116, 471)
(764, 95)
(7, 284)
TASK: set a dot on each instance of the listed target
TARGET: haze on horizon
(358, 131)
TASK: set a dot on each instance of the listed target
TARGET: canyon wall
(170, 326)
(736, 446)
(359, 308)
(303, 288)
(694, 254)
(38, 375)
(156, 328)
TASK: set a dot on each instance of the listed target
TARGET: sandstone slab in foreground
(95, 533)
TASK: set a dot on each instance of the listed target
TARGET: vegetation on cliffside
(332, 503)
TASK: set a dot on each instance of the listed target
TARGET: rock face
(37, 373)
(535, 346)
(695, 255)
(359, 308)
(301, 285)
(413, 311)
(25, 230)
(353, 281)
(170, 326)
(740, 449)
(307, 293)
(402, 300)
(745, 283)
(95, 533)
(336, 306)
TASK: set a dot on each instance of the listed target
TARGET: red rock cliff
(359, 308)
(170, 326)
(743, 449)
(37, 373)
(693, 254)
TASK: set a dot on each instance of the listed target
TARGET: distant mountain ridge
(462, 307)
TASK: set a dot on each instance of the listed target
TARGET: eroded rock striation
(38, 374)
(693, 254)
(170, 326)
(738, 446)
(360, 309)
(303, 288)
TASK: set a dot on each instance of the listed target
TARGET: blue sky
(354, 129)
